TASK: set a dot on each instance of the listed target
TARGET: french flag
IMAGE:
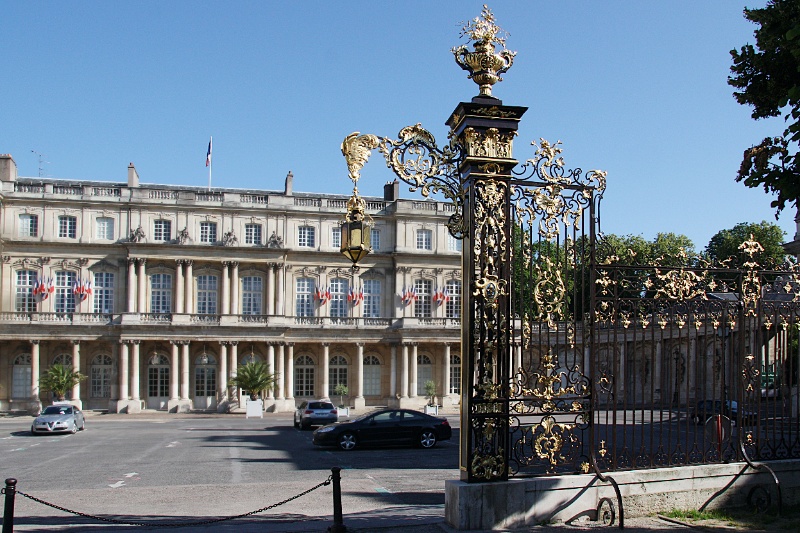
(208, 154)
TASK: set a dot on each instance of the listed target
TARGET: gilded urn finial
(485, 64)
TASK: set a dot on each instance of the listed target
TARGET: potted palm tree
(341, 391)
(60, 379)
(430, 393)
(255, 378)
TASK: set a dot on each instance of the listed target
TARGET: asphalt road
(190, 467)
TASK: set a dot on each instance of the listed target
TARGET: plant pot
(431, 410)
(343, 411)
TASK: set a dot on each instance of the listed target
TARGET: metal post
(8, 511)
(338, 524)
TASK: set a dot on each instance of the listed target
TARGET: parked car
(59, 418)
(315, 413)
(705, 409)
(385, 427)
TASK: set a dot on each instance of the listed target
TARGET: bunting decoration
(82, 289)
(355, 297)
(323, 295)
(409, 295)
(43, 288)
(440, 296)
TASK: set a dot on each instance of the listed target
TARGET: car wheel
(74, 428)
(83, 424)
(33, 432)
(427, 439)
(296, 423)
(347, 441)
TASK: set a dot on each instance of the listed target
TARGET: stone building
(158, 293)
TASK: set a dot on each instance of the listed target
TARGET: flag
(355, 297)
(208, 154)
(409, 295)
(323, 295)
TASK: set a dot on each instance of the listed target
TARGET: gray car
(315, 413)
(59, 418)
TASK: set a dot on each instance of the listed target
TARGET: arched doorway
(21, 377)
(205, 381)
(158, 381)
(100, 380)
(424, 373)
(251, 357)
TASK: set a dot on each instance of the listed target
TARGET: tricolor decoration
(82, 288)
(409, 295)
(43, 287)
(440, 296)
(323, 295)
(355, 297)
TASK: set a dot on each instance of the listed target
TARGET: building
(158, 293)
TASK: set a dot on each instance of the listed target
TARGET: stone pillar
(404, 373)
(290, 372)
(131, 285)
(123, 375)
(226, 288)
(189, 288)
(174, 372)
(179, 401)
(393, 373)
(76, 367)
(412, 386)
(136, 403)
(222, 381)
(36, 403)
(112, 404)
(185, 370)
(142, 286)
(359, 402)
(280, 375)
(281, 289)
(326, 370)
(446, 373)
(179, 286)
(233, 371)
(271, 288)
(271, 363)
(234, 287)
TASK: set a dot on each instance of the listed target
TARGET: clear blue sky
(636, 88)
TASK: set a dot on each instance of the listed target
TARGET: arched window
(304, 376)
(337, 373)
(205, 375)
(338, 303)
(455, 374)
(158, 376)
(372, 376)
(424, 373)
(63, 359)
(252, 357)
(100, 380)
(21, 377)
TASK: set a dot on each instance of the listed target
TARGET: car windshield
(53, 410)
(320, 405)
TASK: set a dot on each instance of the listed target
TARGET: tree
(60, 379)
(341, 391)
(254, 377)
(725, 244)
(430, 392)
(768, 78)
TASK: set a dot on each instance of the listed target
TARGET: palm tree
(254, 377)
(59, 379)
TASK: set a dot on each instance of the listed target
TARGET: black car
(385, 428)
(705, 409)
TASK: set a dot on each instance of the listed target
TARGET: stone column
(280, 375)
(185, 370)
(233, 370)
(124, 371)
(326, 370)
(412, 386)
(290, 371)
(189, 288)
(222, 381)
(179, 286)
(131, 285)
(142, 286)
(271, 288)
(446, 372)
(404, 373)
(280, 288)
(271, 363)
(393, 373)
(76, 367)
(174, 372)
(234, 287)
(114, 378)
(37, 405)
(136, 402)
(359, 402)
(226, 288)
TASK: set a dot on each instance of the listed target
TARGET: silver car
(57, 418)
(315, 413)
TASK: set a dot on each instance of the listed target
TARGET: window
(63, 359)
(304, 297)
(453, 244)
(455, 374)
(424, 373)
(452, 308)
(372, 298)
(337, 373)
(252, 233)
(103, 292)
(205, 375)
(208, 232)
(29, 225)
(161, 293)
(375, 239)
(339, 287)
(162, 230)
(100, 377)
(304, 376)
(422, 305)
(372, 376)
(305, 237)
(336, 237)
(25, 301)
(252, 295)
(158, 377)
(105, 228)
(65, 298)
(207, 295)
(21, 377)
(67, 227)
(424, 239)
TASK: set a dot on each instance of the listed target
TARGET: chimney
(133, 176)
(8, 168)
(391, 191)
(287, 190)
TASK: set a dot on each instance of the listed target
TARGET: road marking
(382, 490)
(117, 485)
(173, 444)
(132, 474)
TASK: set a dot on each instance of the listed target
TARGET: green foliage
(341, 391)
(768, 78)
(60, 379)
(254, 377)
(430, 392)
(725, 244)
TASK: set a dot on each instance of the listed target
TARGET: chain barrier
(173, 524)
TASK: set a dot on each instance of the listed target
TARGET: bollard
(8, 510)
(338, 524)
